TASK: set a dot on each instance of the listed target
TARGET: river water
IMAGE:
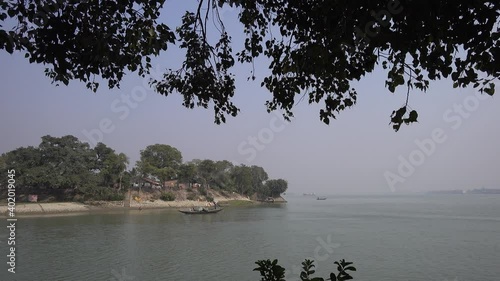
(438, 237)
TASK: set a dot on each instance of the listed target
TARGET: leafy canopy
(110, 165)
(275, 187)
(65, 163)
(315, 49)
(160, 161)
(80, 40)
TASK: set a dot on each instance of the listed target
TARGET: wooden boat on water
(195, 211)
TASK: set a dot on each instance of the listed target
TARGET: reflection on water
(400, 238)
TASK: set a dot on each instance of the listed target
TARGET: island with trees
(62, 169)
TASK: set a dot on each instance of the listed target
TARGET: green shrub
(115, 196)
(209, 198)
(167, 196)
(100, 194)
(191, 196)
(203, 191)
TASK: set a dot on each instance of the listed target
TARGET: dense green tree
(242, 178)
(315, 49)
(222, 177)
(249, 180)
(67, 160)
(102, 153)
(67, 163)
(276, 187)
(160, 161)
(187, 173)
(206, 171)
(110, 165)
(57, 163)
(27, 163)
(246, 180)
(259, 175)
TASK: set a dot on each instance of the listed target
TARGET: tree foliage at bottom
(272, 271)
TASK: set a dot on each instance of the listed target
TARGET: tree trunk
(120, 183)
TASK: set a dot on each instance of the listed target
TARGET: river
(424, 237)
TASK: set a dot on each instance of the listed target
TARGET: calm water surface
(445, 237)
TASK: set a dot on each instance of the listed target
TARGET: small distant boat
(321, 198)
(194, 211)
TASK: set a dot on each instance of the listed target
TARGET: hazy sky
(454, 145)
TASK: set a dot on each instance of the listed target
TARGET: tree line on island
(70, 169)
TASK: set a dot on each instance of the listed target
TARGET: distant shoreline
(466, 192)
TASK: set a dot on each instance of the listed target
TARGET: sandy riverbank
(41, 208)
(35, 209)
(75, 207)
